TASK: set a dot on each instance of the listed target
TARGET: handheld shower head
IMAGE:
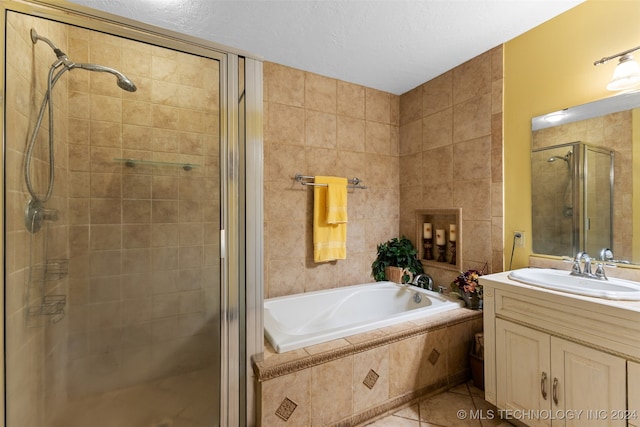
(60, 66)
(126, 84)
(123, 81)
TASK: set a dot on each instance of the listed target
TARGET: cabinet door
(522, 370)
(587, 380)
(633, 393)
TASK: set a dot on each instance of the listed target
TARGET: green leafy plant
(396, 253)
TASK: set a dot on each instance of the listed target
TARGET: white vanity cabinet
(633, 393)
(523, 357)
(543, 374)
(553, 359)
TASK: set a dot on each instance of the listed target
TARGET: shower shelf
(56, 269)
(51, 305)
(133, 162)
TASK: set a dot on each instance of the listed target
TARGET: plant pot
(396, 274)
(477, 371)
(472, 300)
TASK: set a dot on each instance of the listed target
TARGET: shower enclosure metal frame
(241, 191)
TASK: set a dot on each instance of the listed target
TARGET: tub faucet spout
(424, 281)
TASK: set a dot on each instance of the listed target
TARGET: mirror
(582, 179)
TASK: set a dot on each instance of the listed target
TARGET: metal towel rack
(309, 180)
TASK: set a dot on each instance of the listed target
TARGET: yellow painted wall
(549, 68)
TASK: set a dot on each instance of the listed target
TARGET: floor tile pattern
(461, 406)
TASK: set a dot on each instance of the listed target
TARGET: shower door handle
(223, 244)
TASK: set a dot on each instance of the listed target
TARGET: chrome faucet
(423, 281)
(606, 255)
(586, 271)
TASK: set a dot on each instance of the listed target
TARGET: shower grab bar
(133, 162)
(308, 180)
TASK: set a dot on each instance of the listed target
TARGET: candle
(452, 232)
(426, 230)
(440, 241)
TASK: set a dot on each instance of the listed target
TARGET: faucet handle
(600, 273)
(575, 268)
(606, 254)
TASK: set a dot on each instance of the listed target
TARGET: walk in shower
(572, 199)
(116, 195)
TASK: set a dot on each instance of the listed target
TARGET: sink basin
(560, 280)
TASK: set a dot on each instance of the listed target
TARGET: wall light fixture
(626, 76)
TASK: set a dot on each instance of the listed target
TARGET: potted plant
(467, 287)
(398, 253)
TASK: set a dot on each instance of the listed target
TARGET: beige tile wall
(35, 350)
(451, 157)
(316, 125)
(437, 146)
(143, 241)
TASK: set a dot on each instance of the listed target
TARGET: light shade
(555, 117)
(626, 75)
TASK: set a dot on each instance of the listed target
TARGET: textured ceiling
(390, 45)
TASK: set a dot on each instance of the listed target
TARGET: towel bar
(308, 180)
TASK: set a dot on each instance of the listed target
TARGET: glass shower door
(112, 306)
(598, 199)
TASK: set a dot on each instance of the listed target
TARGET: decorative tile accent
(286, 408)
(370, 379)
(434, 356)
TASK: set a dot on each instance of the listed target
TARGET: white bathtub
(297, 321)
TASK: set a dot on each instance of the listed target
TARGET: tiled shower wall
(35, 351)
(437, 146)
(451, 157)
(316, 125)
(144, 270)
(142, 242)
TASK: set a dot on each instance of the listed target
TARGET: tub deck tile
(399, 328)
(327, 346)
(365, 336)
(271, 358)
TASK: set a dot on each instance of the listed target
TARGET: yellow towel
(336, 199)
(329, 240)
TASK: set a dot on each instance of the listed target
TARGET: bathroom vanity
(554, 358)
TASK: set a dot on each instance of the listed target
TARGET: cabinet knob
(543, 385)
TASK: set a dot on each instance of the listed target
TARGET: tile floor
(178, 401)
(461, 406)
(184, 401)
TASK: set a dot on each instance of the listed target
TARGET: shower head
(554, 158)
(123, 81)
(566, 158)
